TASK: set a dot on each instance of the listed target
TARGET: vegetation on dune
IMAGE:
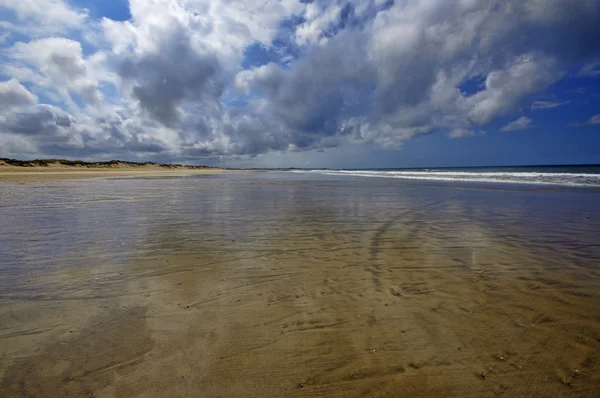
(81, 163)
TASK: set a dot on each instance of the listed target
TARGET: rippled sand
(281, 285)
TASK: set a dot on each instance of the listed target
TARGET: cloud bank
(196, 79)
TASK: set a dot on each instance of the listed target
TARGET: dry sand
(308, 302)
(17, 173)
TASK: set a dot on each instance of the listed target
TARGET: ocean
(571, 176)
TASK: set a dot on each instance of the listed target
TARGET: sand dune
(11, 169)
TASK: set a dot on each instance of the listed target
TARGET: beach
(117, 169)
(296, 284)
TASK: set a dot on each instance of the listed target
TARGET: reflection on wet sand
(251, 286)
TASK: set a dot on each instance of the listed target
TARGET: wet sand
(282, 285)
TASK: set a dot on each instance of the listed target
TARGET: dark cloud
(164, 79)
(254, 135)
(41, 120)
(313, 96)
(68, 64)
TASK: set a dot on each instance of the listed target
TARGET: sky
(289, 83)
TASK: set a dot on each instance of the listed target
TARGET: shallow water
(285, 284)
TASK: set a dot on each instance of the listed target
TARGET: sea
(569, 175)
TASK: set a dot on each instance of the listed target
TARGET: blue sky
(352, 84)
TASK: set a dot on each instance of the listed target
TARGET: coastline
(61, 169)
(53, 174)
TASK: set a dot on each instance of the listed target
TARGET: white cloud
(14, 94)
(461, 133)
(505, 88)
(594, 120)
(39, 17)
(590, 70)
(538, 105)
(319, 17)
(57, 64)
(521, 123)
(224, 28)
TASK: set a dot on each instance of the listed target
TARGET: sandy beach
(58, 171)
(299, 198)
(266, 284)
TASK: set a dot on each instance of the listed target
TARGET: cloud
(521, 123)
(590, 70)
(38, 120)
(538, 105)
(27, 125)
(14, 94)
(162, 86)
(56, 64)
(39, 17)
(505, 89)
(315, 94)
(594, 120)
(461, 133)
(179, 79)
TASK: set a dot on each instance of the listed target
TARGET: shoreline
(41, 169)
(12, 173)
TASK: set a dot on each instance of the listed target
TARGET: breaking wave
(535, 178)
